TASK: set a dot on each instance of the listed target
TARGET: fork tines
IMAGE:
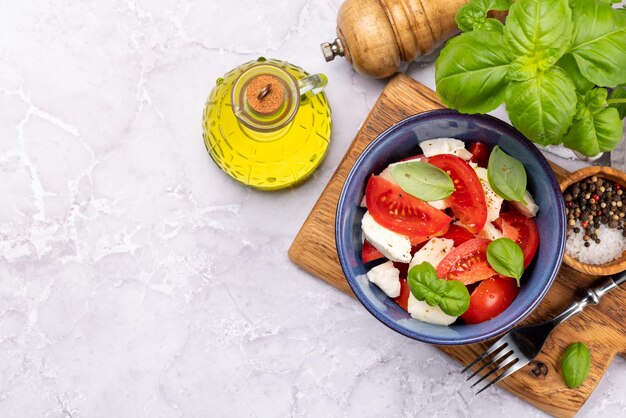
(500, 356)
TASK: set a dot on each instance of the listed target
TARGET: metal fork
(522, 344)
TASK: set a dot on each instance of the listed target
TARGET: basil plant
(552, 64)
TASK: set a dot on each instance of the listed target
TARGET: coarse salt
(612, 245)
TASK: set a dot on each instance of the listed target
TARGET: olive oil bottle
(267, 124)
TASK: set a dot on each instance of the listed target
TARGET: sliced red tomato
(467, 263)
(418, 242)
(490, 299)
(403, 267)
(458, 234)
(480, 154)
(468, 199)
(403, 299)
(397, 210)
(523, 231)
(370, 253)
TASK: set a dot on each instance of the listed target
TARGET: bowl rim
(554, 185)
(612, 267)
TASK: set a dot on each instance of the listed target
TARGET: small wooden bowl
(614, 266)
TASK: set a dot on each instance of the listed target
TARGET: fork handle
(592, 297)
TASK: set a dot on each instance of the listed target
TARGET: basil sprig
(450, 295)
(506, 258)
(541, 63)
(575, 364)
(422, 180)
(506, 175)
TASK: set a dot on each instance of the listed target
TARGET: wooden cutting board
(601, 327)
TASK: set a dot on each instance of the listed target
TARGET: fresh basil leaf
(422, 180)
(456, 298)
(599, 42)
(539, 29)
(424, 283)
(542, 107)
(469, 17)
(471, 71)
(473, 15)
(568, 64)
(506, 258)
(450, 295)
(619, 97)
(575, 364)
(506, 175)
(493, 25)
(594, 131)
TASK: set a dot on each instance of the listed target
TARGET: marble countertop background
(138, 280)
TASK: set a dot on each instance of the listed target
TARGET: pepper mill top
(376, 36)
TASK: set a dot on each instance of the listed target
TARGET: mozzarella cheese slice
(440, 146)
(490, 232)
(394, 246)
(387, 278)
(422, 311)
(433, 252)
(494, 202)
(528, 207)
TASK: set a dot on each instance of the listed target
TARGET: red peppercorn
(618, 186)
(599, 213)
(596, 197)
(584, 224)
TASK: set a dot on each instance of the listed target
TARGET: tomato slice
(397, 210)
(490, 299)
(370, 253)
(468, 199)
(467, 263)
(523, 231)
(480, 154)
(403, 299)
(458, 234)
(418, 242)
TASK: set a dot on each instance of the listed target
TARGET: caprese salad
(450, 231)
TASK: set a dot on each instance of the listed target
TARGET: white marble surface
(138, 280)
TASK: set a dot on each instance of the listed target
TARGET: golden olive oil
(267, 152)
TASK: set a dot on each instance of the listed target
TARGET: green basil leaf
(568, 64)
(471, 71)
(422, 180)
(599, 42)
(506, 258)
(424, 283)
(473, 15)
(539, 29)
(595, 99)
(542, 107)
(575, 364)
(450, 295)
(506, 175)
(456, 299)
(619, 94)
(469, 17)
(594, 132)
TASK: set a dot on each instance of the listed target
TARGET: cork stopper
(265, 94)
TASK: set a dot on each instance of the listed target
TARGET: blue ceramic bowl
(402, 140)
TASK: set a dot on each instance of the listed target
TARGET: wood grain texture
(601, 327)
(377, 35)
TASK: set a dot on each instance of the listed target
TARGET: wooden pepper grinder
(375, 36)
